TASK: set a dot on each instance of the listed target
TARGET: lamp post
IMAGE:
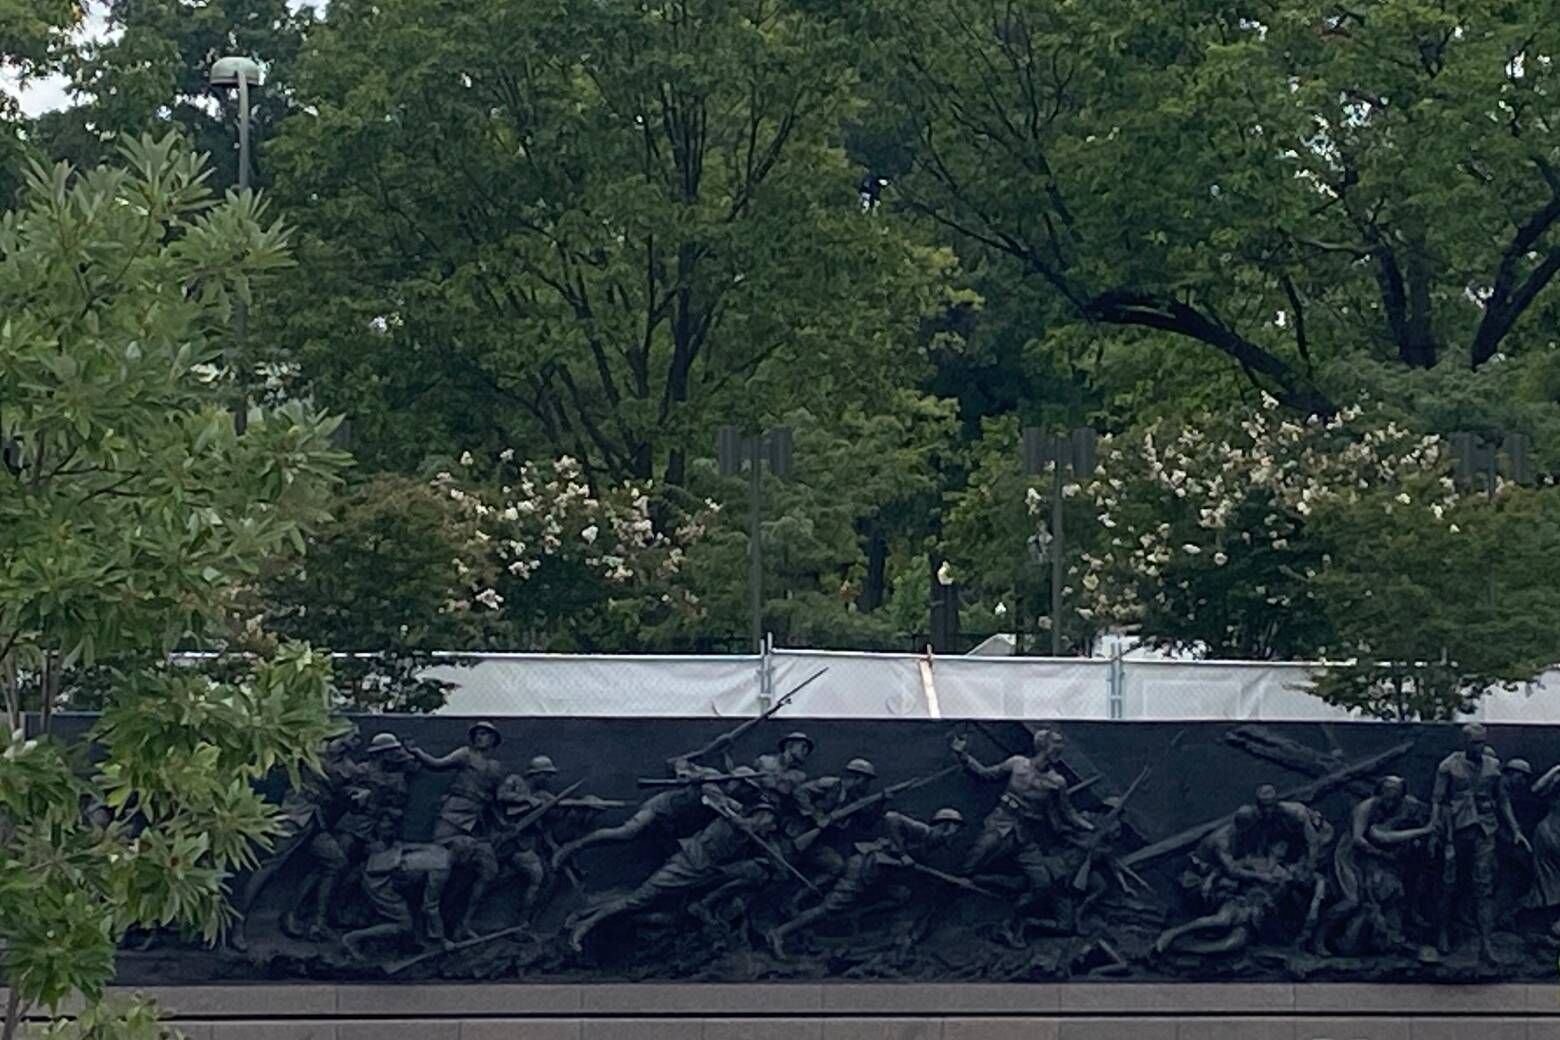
(733, 448)
(240, 73)
(1074, 450)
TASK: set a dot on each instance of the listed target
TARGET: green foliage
(641, 228)
(1435, 609)
(1284, 187)
(132, 520)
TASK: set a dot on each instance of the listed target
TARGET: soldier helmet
(744, 772)
(540, 764)
(948, 816)
(763, 805)
(513, 790)
(484, 727)
(1519, 765)
(862, 766)
(798, 735)
(383, 742)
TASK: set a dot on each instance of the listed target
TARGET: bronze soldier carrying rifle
(374, 802)
(704, 860)
(905, 841)
(681, 810)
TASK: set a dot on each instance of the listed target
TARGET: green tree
(1432, 608)
(1282, 186)
(587, 229)
(151, 73)
(382, 582)
(132, 519)
(34, 38)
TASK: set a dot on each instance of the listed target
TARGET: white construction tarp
(1022, 688)
(869, 685)
(578, 684)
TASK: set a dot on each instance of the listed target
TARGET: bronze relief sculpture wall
(663, 849)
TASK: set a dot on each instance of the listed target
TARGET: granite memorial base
(885, 1011)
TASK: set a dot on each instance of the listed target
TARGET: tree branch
(1141, 310)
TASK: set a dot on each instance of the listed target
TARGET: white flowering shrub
(560, 561)
(1206, 538)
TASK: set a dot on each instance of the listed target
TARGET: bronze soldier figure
(905, 842)
(1368, 870)
(466, 802)
(704, 861)
(308, 811)
(1294, 835)
(823, 859)
(1035, 793)
(675, 812)
(375, 800)
(1470, 805)
(393, 868)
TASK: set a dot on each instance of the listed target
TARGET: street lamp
(1481, 457)
(1076, 451)
(240, 73)
(732, 448)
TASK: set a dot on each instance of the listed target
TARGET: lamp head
(226, 72)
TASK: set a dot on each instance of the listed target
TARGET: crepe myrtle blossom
(525, 514)
(1176, 500)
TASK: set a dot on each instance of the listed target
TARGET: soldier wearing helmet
(373, 803)
(469, 797)
(823, 860)
(726, 846)
(877, 868)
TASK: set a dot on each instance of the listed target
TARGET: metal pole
(240, 308)
(1056, 556)
(755, 559)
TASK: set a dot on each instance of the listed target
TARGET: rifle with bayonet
(844, 812)
(951, 879)
(724, 810)
(1081, 879)
(691, 781)
(727, 739)
(543, 809)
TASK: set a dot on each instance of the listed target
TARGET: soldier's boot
(463, 930)
(776, 936)
(1486, 932)
(319, 929)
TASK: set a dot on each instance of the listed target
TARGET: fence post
(766, 677)
(1115, 683)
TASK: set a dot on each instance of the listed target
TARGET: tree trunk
(13, 1015)
(874, 585)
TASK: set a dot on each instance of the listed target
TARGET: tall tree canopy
(1284, 184)
(599, 229)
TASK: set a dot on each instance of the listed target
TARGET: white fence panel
(1022, 688)
(856, 685)
(563, 684)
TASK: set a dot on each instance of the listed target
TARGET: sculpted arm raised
(454, 760)
(975, 767)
